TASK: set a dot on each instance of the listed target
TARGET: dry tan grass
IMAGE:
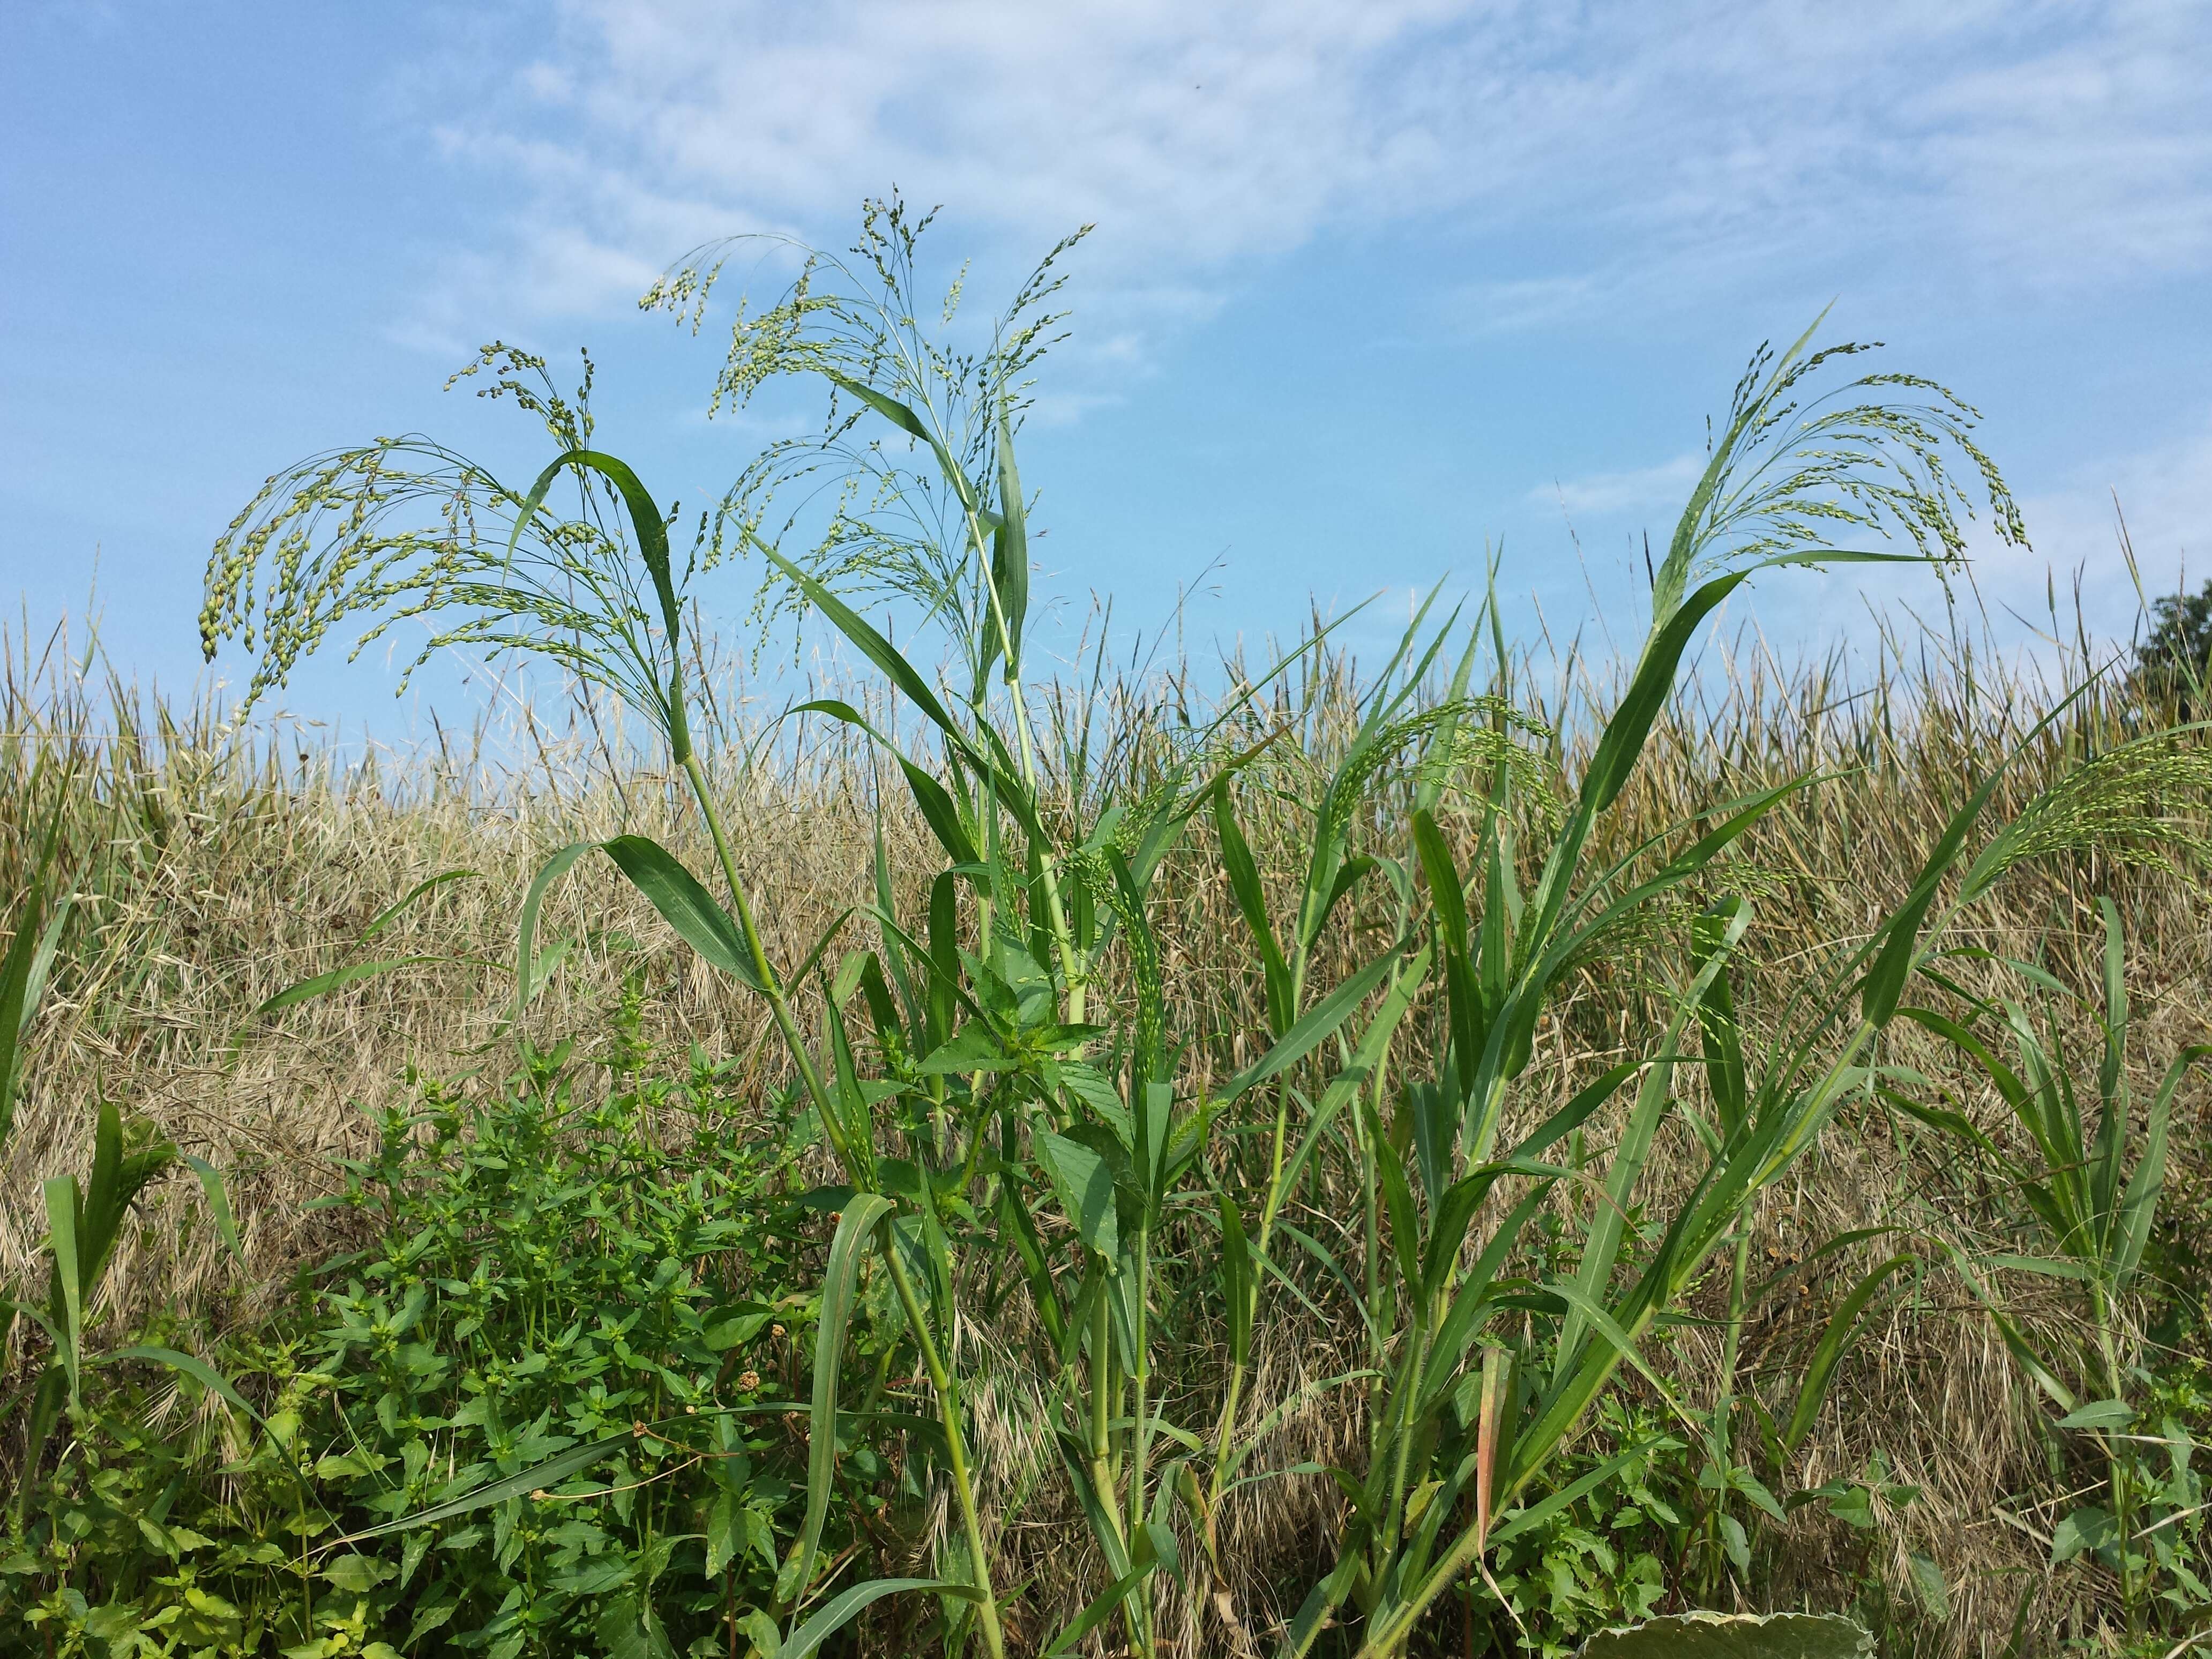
(218, 871)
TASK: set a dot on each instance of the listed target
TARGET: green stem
(771, 985)
(1720, 1426)
(1140, 1434)
(1225, 1428)
(1101, 1383)
(2116, 1473)
(1055, 910)
(948, 1396)
(1388, 1635)
(1401, 1432)
(956, 1450)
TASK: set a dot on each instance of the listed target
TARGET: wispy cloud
(1601, 492)
(1610, 149)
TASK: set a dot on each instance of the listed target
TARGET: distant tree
(2176, 660)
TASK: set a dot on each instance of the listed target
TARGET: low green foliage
(2088, 1194)
(607, 1285)
(551, 1277)
(1609, 1557)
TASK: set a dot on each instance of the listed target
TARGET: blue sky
(1372, 284)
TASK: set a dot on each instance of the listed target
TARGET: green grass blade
(1612, 763)
(876, 649)
(1235, 1275)
(1474, 1298)
(526, 957)
(538, 1477)
(848, 1247)
(22, 975)
(63, 1207)
(938, 810)
(1577, 1111)
(843, 1609)
(391, 913)
(198, 1370)
(645, 521)
(1243, 872)
(1316, 1613)
(1316, 1026)
(1446, 893)
(1290, 1403)
(895, 952)
(337, 979)
(1100, 1607)
(1366, 1057)
(42, 962)
(1885, 981)
(1828, 1352)
(1718, 1028)
(2147, 1183)
(218, 1201)
(1565, 1403)
(1609, 1218)
(1398, 1204)
(652, 533)
(1527, 1520)
(1010, 555)
(910, 424)
(1349, 875)
(2015, 1338)
(2015, 1093)
(117, 1179)
(48, 1397)
(947, 994)
(1621, 744)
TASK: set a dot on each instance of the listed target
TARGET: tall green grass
(1130, 1177)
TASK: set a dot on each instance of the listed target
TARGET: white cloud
(1667, 484)
(1582, 153)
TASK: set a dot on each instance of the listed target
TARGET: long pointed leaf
(23, 970)
(337, 980)
(1314, 1026)
(875, 648)
(527, 930)
(1885, 981)
(1100, 1607)
(863, 1211)
(938, 808)
(1010, 553)
(63, 1207)
(2131, 1231)
(391, 913)
(1243, 872)
(198, 1370)
(685, 905)
(538, 1477)
(218, 1201)
(910, 424)
(843, 1609)
(1820, 1370)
